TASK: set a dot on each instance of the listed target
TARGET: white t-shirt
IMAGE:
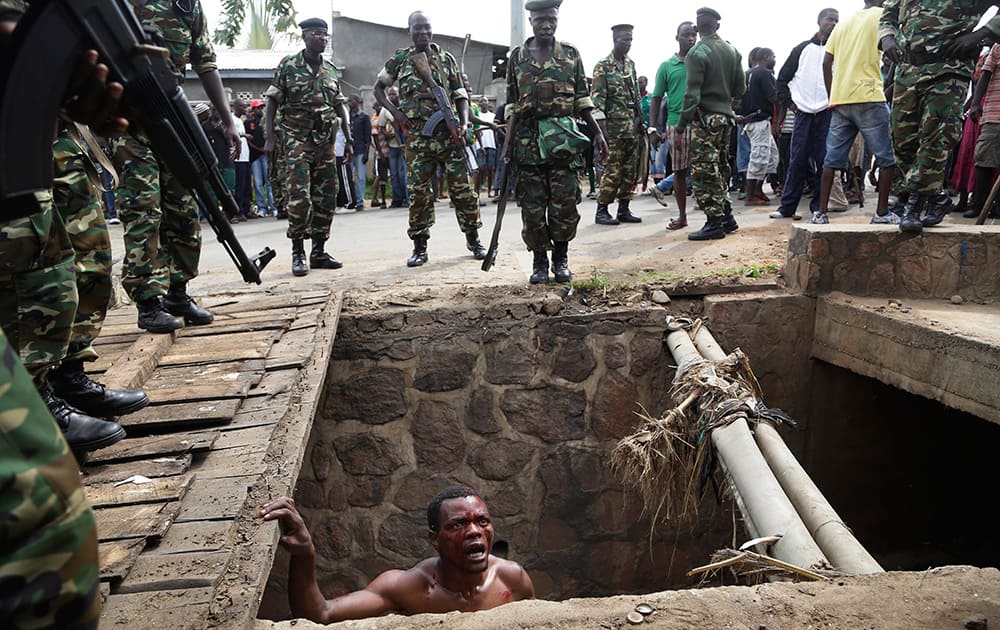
(486, 134)
(244, 147)
(339, 143)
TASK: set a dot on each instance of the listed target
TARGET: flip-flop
(676, 224)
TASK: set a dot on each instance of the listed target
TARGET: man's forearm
(654, 111)
(211, 81)
(304, 597)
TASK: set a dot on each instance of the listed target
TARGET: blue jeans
(872, 120)
(660, 165)
(805, 155)
(397, 176)
(360, 179)
(742, 150)
(666, 184)
(265, 202)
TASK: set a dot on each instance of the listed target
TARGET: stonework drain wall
(524, 407)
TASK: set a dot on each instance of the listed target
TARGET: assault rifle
(507, 156)
(35, 72)
(642, 169)
(444, 112)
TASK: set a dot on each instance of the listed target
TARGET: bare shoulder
(515, 578)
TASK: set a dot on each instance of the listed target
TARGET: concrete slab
(931, 348)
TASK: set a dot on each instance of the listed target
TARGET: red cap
(256, 103)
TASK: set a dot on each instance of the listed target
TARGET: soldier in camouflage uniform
(545, 79)
(714, 78)
(614, 93)
(423, 155)
(48, 565)
(160, 217)
(934, 44)
(306, 92)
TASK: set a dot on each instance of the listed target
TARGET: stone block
(367, 454)
(438, 439)
(510, 361)
(480, 415)
(614, 405)
(553, 414)
(405, 534)
(615, 356)
(499, 459)
(443, 370)
(310, 494)
(418, 488)
(367, 490)
(332, 540)
(574, 361)
(375, 396)
(646, 351)
(554, 534)
(608, 327)
(320, 458)
(400, 350)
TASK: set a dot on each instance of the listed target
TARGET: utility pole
(516, 23)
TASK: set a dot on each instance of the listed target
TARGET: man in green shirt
(714, 78)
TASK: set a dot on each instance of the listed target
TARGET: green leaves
(268, 18)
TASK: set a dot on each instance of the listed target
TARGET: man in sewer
(463, 577)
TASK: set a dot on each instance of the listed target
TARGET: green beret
(708, 11)
(622, 27)
(311, 23)
(541, 5)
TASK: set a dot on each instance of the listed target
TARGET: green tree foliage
(267, 19)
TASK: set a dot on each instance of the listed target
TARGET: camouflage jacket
(12, 9)
(185, 34)
(614, 95)
(414, 95)
(557, 87)
(924, 28)
(307, 100)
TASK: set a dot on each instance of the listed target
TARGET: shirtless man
(464, 576)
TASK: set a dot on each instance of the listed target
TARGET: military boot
(539, 267)
(83, 433)
(153, 318)
(911, 214)
(419, 255)
(473, 245)
(624, 214)
(299, 267)
(560, 261)
(70, 383)
(938, 205)
(712, 230)
(179, 304)
(729, 224)
(319, 259)
(604, 217)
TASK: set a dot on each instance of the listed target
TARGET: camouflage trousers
(423, 155)
(710, 168)
(926, 123)
(48, 560)
(38, 285)
(79, 205)
(276, 172)
(548, 195)
(620, 170)
(160, 217)
(310, 181)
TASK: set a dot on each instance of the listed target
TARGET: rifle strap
(85, 138)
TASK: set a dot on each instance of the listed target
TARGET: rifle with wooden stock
(444, 114)
(507, 156)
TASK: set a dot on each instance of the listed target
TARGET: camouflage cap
(313, 23)
(708, 11)
(541, 5)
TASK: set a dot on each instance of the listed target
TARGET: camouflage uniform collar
(433, 47)
(557, 51)
(300, 58)
(626, 60)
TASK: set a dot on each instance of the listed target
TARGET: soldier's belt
(926, 58)
(423, 96)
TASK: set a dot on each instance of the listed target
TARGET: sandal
(676, 224)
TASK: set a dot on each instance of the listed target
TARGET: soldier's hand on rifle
(891, 49)
(92, 100)
(967, 46)
(600, 147)
(640, 126)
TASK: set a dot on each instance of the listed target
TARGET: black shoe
(299, 267)
(419, 255)
(82, 432)
(625, 215)
(712, 230)
(604, 217)
(153, 318)
(473, 245)
(319, 259)
(281, 215)
(560, 262)
(179, 304)
(539, 267)
(972, 213)
(937, 207)
(911, 214)
(729, 224)
(70, 383)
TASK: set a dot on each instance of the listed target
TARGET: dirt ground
(942, 598)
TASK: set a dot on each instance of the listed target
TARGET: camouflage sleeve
(582, 102)
(202, 54)
(388, 75)
(455, 85)
(512, 93)
(276, 90)
(599, 94)
(888, 24)
(338, 93)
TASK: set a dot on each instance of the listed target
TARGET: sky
(746, 24)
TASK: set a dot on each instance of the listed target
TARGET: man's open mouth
(476, 551)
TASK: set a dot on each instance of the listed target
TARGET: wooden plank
(245, 438)
(156, 491)
(150, 521)
(209, 391)
(175, 571)
(185, 609)
(196, 536)
(152, 468)
(275, 383)
(117, 558)
(182, 416)
(132, 370)
(259, 303)
(155, 446)
(256, 315)
(233, 347)
(107, 340)
(215, 499)
(237, 462)
(235, 326)
(107, 355)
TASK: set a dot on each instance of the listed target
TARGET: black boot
(419, 255)
(712, 230)
(624, 214)
(938, 206)
(70, 383)
(911, 214)
(82, 432)
(729, 224)
(473, 245)
(560, 261)
(319, 259)
(539, 267)
(604, 217)
(179, 304)
(153, 318)
(299, 267)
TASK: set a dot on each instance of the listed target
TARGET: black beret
(541, 5)
(708, 11)
(313, 23)
(622, 27)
